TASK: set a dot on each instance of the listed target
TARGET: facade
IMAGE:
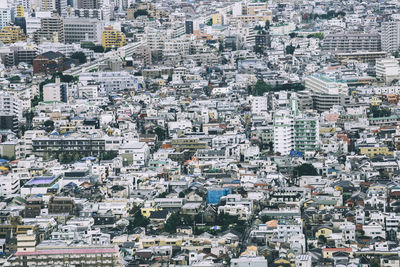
(5, 14)
(108, 256)
(51, 29)
(49, 63)
(55, 92)
(306, 133)
(391, 36)
(387, 69)
(352, 42)
(77, 30)
(11, 34)
(111, 38)
(283, 132)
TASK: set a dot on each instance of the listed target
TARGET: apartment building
(387, 69)
(283, 132)
(68, 256)
(111, 38)
(11, 34)
(326, 92)
(77, 30)
(5, 14)
(51, 29)
(390, 36)
(352, 42)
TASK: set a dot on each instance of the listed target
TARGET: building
(365, 57)
(55, 92)
(49, 63)
(352, 42)
(88, 4)
(245, 261)
(189, 27)
(20, 18)
(326, 92)
(387, 69)
(11, 34)
(63, 255)
(5, 14)
(306, 133)
(86, 146)
(217, 19)
(47, 5)
(51, 29)
(61, 205)
(390, 36)
(77, 30)
(111, 38)
(283, 132)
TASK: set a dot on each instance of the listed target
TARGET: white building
(110, 81)
(5, 14)
(322, 84)
(387, 69)
(9, 185)
(259, 104)
(390, 36)
(283, 132)
(243, 261)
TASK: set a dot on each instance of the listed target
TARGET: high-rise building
(189, 27)
(5, 14)
(55, 92)
(283, 132)
(47, 5)
(112, 38)
(352, 42)
(306, 132)
(12, 34)
(82, 29)
(391, 36)
(387, 69)
(51, 29)
(88, 4)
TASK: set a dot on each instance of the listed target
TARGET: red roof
(68, 251)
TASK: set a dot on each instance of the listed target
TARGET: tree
(98, 49)
(260, 88)
(161, 133)
(293, 34)
(14, 79)
(209, 22)
(181, 194)
(290, 49)
(305, 169)
(267, 24)
(172, 223)
(140, 12)
(49, 124)
(79, 56)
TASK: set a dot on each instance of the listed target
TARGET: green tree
(305, 169)
(209, 22)
(98, 49)
(14, 79)
(49, 124)
(161, 133)
(80, 56)
(267, 24)
(290, 49)
(172, 223)
(260, 88)
(140, 12)
(181, 194)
